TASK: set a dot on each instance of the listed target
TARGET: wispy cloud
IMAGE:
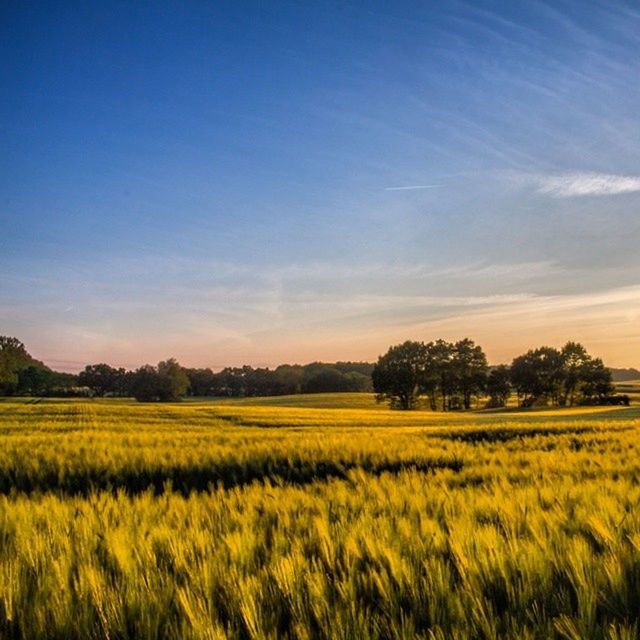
(587, 184)
(413, 187)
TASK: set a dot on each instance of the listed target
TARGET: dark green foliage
(329, 379)
(575, 360)
(452, 373)
(36, 380)
(23, 375)
(400, 374)
(13, 359)
(469, 370)
(596, 379)
(538, 374)
(499, 386)
(317, 377)
(167, 382)
(559, 376)
(288, 379)
(202, 382)
(103, 379)
(439, 373)
(146, 384)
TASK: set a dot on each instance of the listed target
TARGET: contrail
(413, 186)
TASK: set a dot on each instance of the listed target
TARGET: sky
(238, 182)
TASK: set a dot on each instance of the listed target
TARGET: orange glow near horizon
(608, 324)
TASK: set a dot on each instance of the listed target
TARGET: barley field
(257, 520)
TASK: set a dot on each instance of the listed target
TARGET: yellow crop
(204, 520)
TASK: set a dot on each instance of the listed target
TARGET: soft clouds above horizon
(233, 314)
(587, 184)
(240, 183)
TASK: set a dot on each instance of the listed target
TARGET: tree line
(286, 379)
(169, 381)
(443, 375)
(21, 374)
(450, 376)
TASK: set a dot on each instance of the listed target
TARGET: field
(304, 518)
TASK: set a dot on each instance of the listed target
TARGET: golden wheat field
(235, 520)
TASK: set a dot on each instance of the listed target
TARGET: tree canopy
(560, 376)
(103, 379)
(15, 359)
(167, 382)
(399, 375)
(449, 374)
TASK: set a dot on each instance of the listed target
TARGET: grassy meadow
(317, 517)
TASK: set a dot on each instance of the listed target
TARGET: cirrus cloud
(569, 185)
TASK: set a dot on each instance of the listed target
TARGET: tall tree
(201, 381)
(499, 386)
(174, 380)
(538, 375)
(13, 358)
(575, 360)
(440, 373)
(469, 370)
(102, 379)
(596, 380)
(167, 382)
(399, 374)
(288, 379)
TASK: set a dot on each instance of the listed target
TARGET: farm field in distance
(321, 516)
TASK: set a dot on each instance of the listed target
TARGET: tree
(575, 361)
(34, 381)
(167, 382)
(561, 377)
(325, 380)
(597, 380)
(102, 379)
(13, 358)
(288, 379)
(469, 370)
(201, 381)
(538, 375)
(499, 386)
(439, 375)
(175, 380)
(452, 373)
(358, 382)
(399, 374)
(145, 384)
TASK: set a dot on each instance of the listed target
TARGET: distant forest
(444, 375)
(23, 375)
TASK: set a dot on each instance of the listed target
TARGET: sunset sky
(259, 183)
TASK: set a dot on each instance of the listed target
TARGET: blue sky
(266, 182)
